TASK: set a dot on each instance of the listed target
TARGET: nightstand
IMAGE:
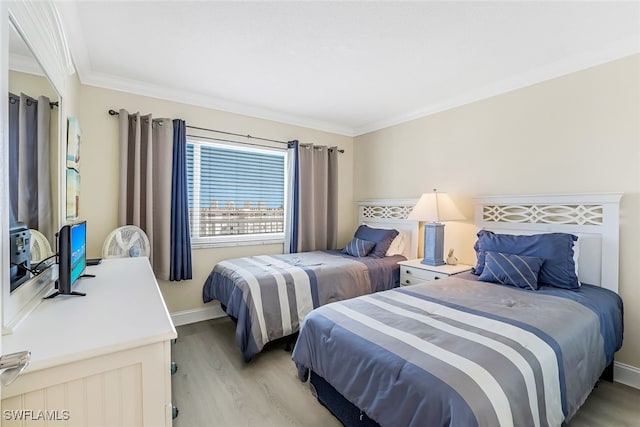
(413, 271)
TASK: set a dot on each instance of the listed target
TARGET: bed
(269, 296)
(464, 352)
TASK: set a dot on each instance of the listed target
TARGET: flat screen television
(72, 257)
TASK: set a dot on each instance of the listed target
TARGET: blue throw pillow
(508, 269)
(380, 236)
(358, 247)
(556, 250)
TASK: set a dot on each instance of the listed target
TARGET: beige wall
(578, 133)
(31, 84)
(99, 175)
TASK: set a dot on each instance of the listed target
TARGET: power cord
(34, 269)
(23, 266)
(43, 260)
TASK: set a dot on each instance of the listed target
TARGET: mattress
(270, 295)
(459, 352)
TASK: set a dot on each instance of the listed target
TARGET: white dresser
(99, 360)
(413, 271)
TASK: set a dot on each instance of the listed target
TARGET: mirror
(33, 163)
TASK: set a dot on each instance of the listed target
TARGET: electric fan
(39, 247)
(125, 242)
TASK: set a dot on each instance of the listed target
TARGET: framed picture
(73, 143)
(73, 194)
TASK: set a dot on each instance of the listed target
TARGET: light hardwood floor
(214, 387)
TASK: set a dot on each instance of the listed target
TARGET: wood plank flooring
(214, 387)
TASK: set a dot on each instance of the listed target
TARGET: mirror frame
(39, 25)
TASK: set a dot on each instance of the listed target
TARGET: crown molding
(25, 64)
(39, 25)
(618, 50)
(178, 95)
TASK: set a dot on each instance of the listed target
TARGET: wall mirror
(34, 146)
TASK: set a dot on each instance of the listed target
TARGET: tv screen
(72, 258)
(78, 253)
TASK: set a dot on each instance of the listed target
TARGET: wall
(31, 84)
(99, 175)
(578, 133)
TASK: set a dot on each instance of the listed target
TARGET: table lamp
(431, 209)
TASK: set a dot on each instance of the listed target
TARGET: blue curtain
(294, 180)
(180, 266)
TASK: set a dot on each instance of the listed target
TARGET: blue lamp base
(433, 244)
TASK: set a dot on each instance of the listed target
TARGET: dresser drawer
(411, 276)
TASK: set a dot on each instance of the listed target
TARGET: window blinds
(234, 191)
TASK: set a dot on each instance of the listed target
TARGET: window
(236, 193)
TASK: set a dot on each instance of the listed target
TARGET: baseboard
(627, 375)
(197, 315)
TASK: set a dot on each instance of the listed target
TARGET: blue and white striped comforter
(270, 295)
(457, 352)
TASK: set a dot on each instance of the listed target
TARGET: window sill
(207, 243)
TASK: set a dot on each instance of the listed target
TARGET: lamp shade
(435, 207)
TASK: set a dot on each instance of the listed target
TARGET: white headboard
(392, 213)
(594, 218)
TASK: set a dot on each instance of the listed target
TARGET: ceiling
(343, 67)
(20, 56)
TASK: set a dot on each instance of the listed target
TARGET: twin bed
(452, 352)
(464, 352)
(269, 296)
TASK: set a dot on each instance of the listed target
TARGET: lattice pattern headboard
(592, 217)
(392, 213)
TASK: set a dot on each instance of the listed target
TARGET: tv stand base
(55, 294)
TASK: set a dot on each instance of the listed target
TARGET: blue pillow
(556, 250)
(358, 247)
(508, 269)
(380, 236)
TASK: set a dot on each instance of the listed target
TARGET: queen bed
(268, 296)
(467, 352)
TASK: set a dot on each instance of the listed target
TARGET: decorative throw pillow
(358, 247)
(556, 249)
(381, 236)
(397, 246)
(508, 269)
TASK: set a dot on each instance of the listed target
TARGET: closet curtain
(29, 163)
(146, 182)
(312, 222)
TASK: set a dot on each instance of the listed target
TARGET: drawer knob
(407, 281)
(408, 271)
(436, 278)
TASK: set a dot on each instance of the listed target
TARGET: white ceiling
(344, 67)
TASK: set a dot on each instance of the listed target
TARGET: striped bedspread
(269, 296)
(456, 352)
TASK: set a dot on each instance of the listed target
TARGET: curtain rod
(115, 113)
(210, 138)
(14, 98)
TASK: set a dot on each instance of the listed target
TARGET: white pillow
(397, 245)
